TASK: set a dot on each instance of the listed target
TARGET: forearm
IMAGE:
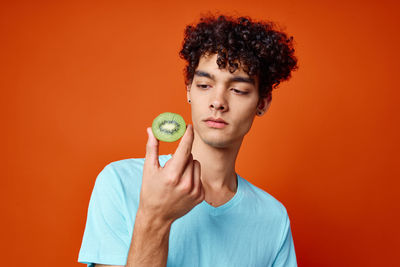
(149, 246)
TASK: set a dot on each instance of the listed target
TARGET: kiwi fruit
(168, 127)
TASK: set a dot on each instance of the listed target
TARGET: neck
(217, 165)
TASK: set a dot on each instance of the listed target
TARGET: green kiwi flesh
(168, 127)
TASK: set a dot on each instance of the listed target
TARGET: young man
(194, 210)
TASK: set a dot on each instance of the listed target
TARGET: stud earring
(189, 101)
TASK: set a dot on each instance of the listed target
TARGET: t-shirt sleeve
(286, 256)
(106, 238)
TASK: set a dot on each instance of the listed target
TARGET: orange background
(81, 80)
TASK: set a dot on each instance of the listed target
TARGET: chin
(217, 144)
(218, 138)
(218, 141)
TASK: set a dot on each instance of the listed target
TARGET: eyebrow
(242, 79)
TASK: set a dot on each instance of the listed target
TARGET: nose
(218, 102)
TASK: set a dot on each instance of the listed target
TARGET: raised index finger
(183, 150)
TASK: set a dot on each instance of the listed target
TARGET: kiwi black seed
(168, 127)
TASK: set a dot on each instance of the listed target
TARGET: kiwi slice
(168, 127)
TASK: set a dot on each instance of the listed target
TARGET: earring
(259, 112)
(189, 101)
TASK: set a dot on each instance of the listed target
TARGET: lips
(215, 122)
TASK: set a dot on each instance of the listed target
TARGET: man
(194, 210)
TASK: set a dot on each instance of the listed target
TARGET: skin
(202, 167)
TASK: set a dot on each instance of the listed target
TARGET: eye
(202, 86)
(236, 91)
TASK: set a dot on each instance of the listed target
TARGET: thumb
(152, 149)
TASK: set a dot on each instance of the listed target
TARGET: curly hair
(260, 48)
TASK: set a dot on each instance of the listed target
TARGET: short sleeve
(106, 238)
(286, 256)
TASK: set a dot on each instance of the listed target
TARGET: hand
(171, 191)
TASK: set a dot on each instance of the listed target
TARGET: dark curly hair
(260, 48)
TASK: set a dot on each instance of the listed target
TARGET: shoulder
(262, 201)
(132, 165)
(125, 172)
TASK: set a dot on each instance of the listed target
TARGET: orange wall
(80, 82)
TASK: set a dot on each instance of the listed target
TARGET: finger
(183, 151)
(197, 185)
(151, 150)
(186, 181)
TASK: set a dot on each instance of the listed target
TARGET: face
(223, 104)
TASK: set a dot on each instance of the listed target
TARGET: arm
(286, 256)
(149, 244)
(166, 194)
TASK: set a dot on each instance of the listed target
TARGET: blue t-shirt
(251, 229)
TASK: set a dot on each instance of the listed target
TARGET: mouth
(215, 122)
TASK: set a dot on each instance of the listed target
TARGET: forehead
(209, 63)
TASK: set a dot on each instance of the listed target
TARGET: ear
(264, 104)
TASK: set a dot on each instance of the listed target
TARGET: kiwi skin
(168, 127)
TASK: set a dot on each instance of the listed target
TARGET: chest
(223, 241)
